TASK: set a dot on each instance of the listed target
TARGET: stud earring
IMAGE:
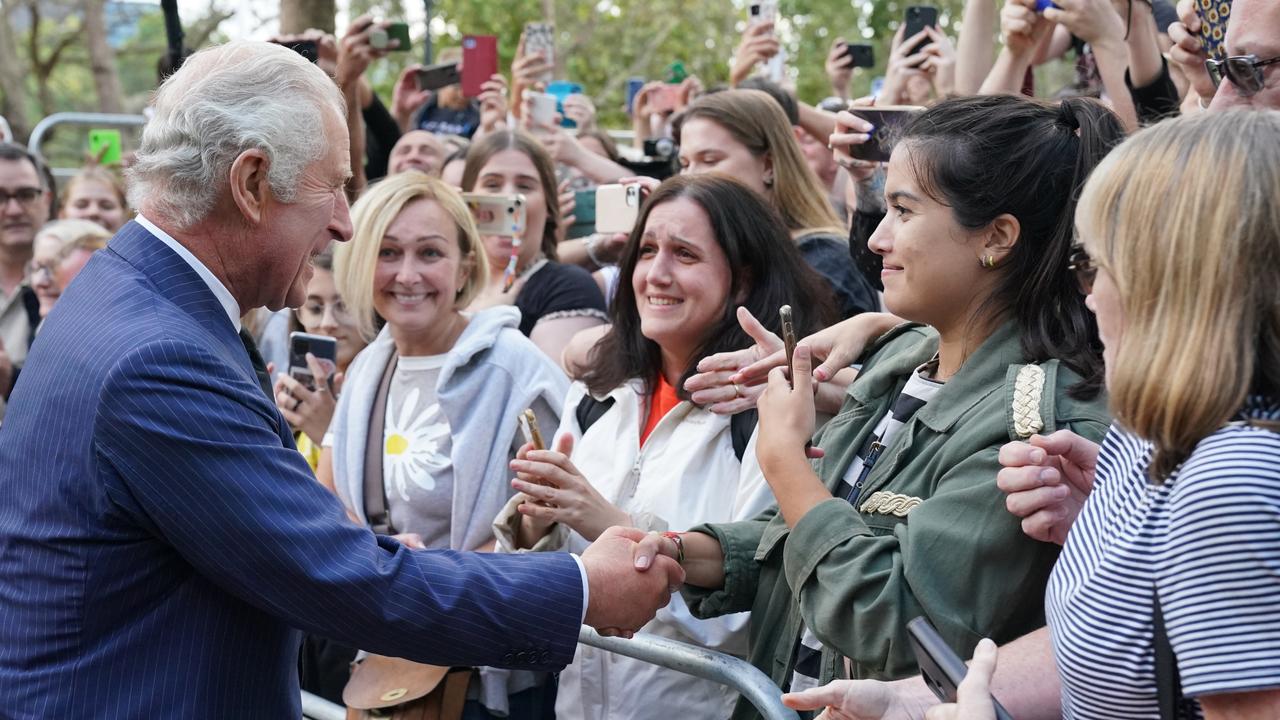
(988, 261)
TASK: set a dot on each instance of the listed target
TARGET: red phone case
(479, 62)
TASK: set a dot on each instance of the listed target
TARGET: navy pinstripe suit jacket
(162, 543)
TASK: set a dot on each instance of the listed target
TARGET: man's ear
(1000, 237)
(248, 184)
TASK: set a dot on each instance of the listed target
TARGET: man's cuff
(586, 589)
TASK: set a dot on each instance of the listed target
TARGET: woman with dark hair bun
(901, 516)
(633, 450)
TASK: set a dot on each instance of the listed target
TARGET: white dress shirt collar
(220, 291)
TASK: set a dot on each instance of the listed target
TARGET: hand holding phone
(916, 19)
(541, 38)
(861, 54)
(439, 76)
(887, 123)
(479, 62)
(940, 667)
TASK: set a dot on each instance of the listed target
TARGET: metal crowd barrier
(755, 686)
(42, 129)
(317, 708)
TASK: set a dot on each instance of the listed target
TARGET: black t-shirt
(556, 290)
(447, 121)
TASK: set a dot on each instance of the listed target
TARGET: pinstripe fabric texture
(162, 543)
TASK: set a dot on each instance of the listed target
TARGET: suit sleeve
(190, 451)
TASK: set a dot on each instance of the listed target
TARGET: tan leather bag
(387, 687)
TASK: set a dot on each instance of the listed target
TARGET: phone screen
(325, 349)
(888, 122)
(106, 146)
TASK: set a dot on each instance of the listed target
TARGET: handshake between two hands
(630, 579)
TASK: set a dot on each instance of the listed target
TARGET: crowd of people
(1034, 393)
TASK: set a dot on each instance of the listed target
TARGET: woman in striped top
(1181, 245)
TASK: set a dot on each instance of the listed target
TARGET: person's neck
(957, 342)
(207, 241)
(673, 366)
(13, 266)
(437, 340)
(498, 271)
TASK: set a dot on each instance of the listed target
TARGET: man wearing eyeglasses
(24, 208)
(1247, 77)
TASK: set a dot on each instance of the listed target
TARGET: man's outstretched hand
(623, 597)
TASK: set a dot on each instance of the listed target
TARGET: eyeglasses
(24, 196)
(40, 272)
(1082, 265)
(313, 313)
(1244, 71)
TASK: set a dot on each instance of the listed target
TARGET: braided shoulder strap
(1028, 389)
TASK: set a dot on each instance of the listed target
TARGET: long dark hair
(766, 267)
(990, 155)
(479, 154)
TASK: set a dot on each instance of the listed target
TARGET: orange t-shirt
(663, 400)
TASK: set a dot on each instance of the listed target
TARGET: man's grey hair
(226, 100)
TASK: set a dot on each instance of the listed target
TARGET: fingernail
(1046, 475)
(1037, 456)
(642, 562)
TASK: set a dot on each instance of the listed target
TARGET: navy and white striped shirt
(1207, 541)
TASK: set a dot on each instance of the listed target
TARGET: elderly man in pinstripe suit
(161, 542)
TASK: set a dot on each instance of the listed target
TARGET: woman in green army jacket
(895, 512)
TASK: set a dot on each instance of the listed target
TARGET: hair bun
(1067, 116)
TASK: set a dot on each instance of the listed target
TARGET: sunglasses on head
(1244, 71)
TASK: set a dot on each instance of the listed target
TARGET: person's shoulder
(1238, 460)
(558, 287)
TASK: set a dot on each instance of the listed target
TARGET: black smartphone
(940, 666)
(438, 76)
(788, 339)
(917, 18)
(325, 349)
(862, 54)
(306, 48)
(888, 122)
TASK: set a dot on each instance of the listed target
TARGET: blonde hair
(1184, 218)
(757, 121)
(373, 213)
(74, 234)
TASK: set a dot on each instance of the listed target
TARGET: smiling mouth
(409, 298)
(664, 301)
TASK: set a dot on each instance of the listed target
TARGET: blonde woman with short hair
(451, 386)
(60, 251)
(745, 134)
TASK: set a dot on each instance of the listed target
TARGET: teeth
(409, 298)
(664, 301)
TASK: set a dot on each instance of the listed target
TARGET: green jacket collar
(982, 374)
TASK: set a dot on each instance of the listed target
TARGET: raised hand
(714, 385)
(1188, 51)
(309, 411)
(1047, 480)
(758, 44)
(839, 67)
(406, 98)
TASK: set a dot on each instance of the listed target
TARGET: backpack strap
(1168, 680)
(589, 411)
(741, 426)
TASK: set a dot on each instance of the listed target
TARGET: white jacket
(686, 474)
